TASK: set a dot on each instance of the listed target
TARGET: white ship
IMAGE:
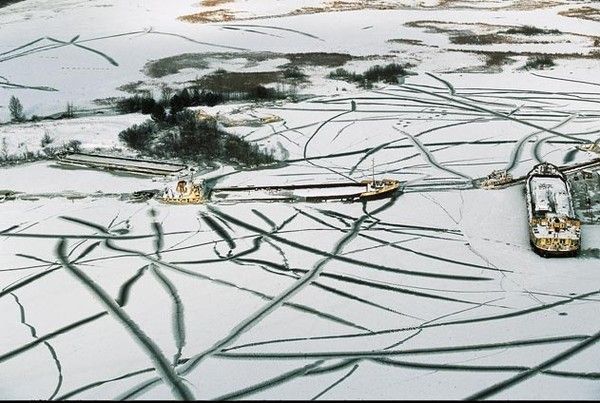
(553, 228)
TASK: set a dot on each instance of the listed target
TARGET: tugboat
(184, 192)
(591, 147)
(553, 228)
(497, 179)
(376, 190)
(379, 189)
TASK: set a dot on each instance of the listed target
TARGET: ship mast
(373, 166)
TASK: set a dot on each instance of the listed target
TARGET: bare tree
(70, 112)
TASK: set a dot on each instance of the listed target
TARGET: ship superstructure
(553, 228)
(184, 192)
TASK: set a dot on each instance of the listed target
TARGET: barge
(554, 229)
(318, 192)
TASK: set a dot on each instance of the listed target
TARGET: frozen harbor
(433, 293)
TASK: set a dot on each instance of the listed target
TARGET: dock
(122, 164)
(585, 189)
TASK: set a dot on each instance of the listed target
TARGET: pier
(122, 164)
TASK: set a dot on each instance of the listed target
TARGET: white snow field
(434, 293)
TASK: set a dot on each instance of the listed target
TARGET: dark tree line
(165, 110)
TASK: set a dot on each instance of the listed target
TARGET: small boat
(496, 179)
(379, 189)
(590, 147)
(553, 228)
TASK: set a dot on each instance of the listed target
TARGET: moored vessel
(184, 192)
(379, 189)
(497, 179)
(553, 228)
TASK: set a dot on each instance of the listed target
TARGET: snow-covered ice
(432, 294)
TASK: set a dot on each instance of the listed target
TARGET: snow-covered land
(432, 294)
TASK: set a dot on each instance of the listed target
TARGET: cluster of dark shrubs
(473, 39)
(294, 74)
(72, 146)
(388, 74)
(259, 93)
(530, 31)
(539, 62)
(463, 38)
(192, 139)
(496, 59)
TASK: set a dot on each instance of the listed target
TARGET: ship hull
(181, 201)
(383, 194)
(553, 252)
(365, 191)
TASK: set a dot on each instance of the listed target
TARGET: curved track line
(430, 158)
(161, 363)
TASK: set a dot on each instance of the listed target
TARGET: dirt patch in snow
(220, 15)
(133, 88)
(414, 42)
(213, 3)
(466, 35)
(499, 4)
(319, 59)
(489, 34)
(227, 81)
(201, 61)
(173, 64)
(586, 13)
(590, 55)
(346, 6)
(223, 15)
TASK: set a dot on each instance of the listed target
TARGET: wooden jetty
(123, 164)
